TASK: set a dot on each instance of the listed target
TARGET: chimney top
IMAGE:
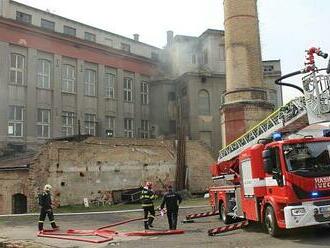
(136, 37)
(170, 36)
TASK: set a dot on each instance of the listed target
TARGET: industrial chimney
(245, 99)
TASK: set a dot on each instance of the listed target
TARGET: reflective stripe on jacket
(147, 197)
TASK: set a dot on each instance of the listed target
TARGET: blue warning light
(277, 136)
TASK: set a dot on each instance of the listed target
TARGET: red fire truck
(281, 182)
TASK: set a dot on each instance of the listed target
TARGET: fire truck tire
(270, 222)
(226, 219)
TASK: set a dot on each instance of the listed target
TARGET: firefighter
(45, 202)
(147, 197)
(172, 200)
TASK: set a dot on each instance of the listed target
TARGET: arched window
(17, 68)
(43, 73)
(204, 102)
(68, 78)
(90, 82)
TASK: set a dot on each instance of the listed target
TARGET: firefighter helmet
(149, 184)
(48, 187)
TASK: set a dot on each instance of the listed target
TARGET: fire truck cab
(283, 184)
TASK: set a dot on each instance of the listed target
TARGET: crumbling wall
(100, 168)
(96, 167)
(198, 159)
(11, 183)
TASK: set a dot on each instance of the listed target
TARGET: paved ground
(24, 228)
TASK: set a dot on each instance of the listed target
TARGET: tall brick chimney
(245, 101)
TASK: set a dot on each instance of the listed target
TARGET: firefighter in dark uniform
(147, 197)
(172, 201)
(45, 201)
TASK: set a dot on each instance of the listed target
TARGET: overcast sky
(288, 27)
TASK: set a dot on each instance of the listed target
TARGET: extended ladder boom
(314, 107)
(289, 117)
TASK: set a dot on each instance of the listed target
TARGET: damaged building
(101, 170)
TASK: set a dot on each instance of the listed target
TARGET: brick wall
(97, 168)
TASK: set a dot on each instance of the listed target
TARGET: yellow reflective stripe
(53, 221)
(152, 216)
(147, 205)
(40, 221)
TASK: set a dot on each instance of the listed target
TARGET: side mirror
(268, 158)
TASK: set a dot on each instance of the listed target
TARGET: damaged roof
(16, 164)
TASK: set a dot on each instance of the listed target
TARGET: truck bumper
(307, 214)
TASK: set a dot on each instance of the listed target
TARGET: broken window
(16, 121)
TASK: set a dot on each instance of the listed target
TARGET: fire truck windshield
(308, 159)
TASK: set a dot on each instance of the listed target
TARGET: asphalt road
(24, 228)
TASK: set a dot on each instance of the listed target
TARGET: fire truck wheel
(271, 223)
(226, 219)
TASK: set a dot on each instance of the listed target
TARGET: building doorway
(19, 204)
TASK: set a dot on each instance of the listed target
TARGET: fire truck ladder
(300, 112)
(288, 118)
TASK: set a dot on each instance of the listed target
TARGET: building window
(90, 124)
(17, 65)
(128, 128)
(110, 124)
(193, 59)
(23, 17)
(204, 102)
(43, 123)
(69, 30)
(16, 121)
(171, 96)
(128, 89)
(172, 126)
(144, 93)
(125, 47)
(154, 56)
(184, 91)
(268, 68)
(47, 24)
(43, 74)
(90, 82)
(68, 79)
(90, 36)
(109, 83)
(205, 57)
(67, 123)
(144, 132)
